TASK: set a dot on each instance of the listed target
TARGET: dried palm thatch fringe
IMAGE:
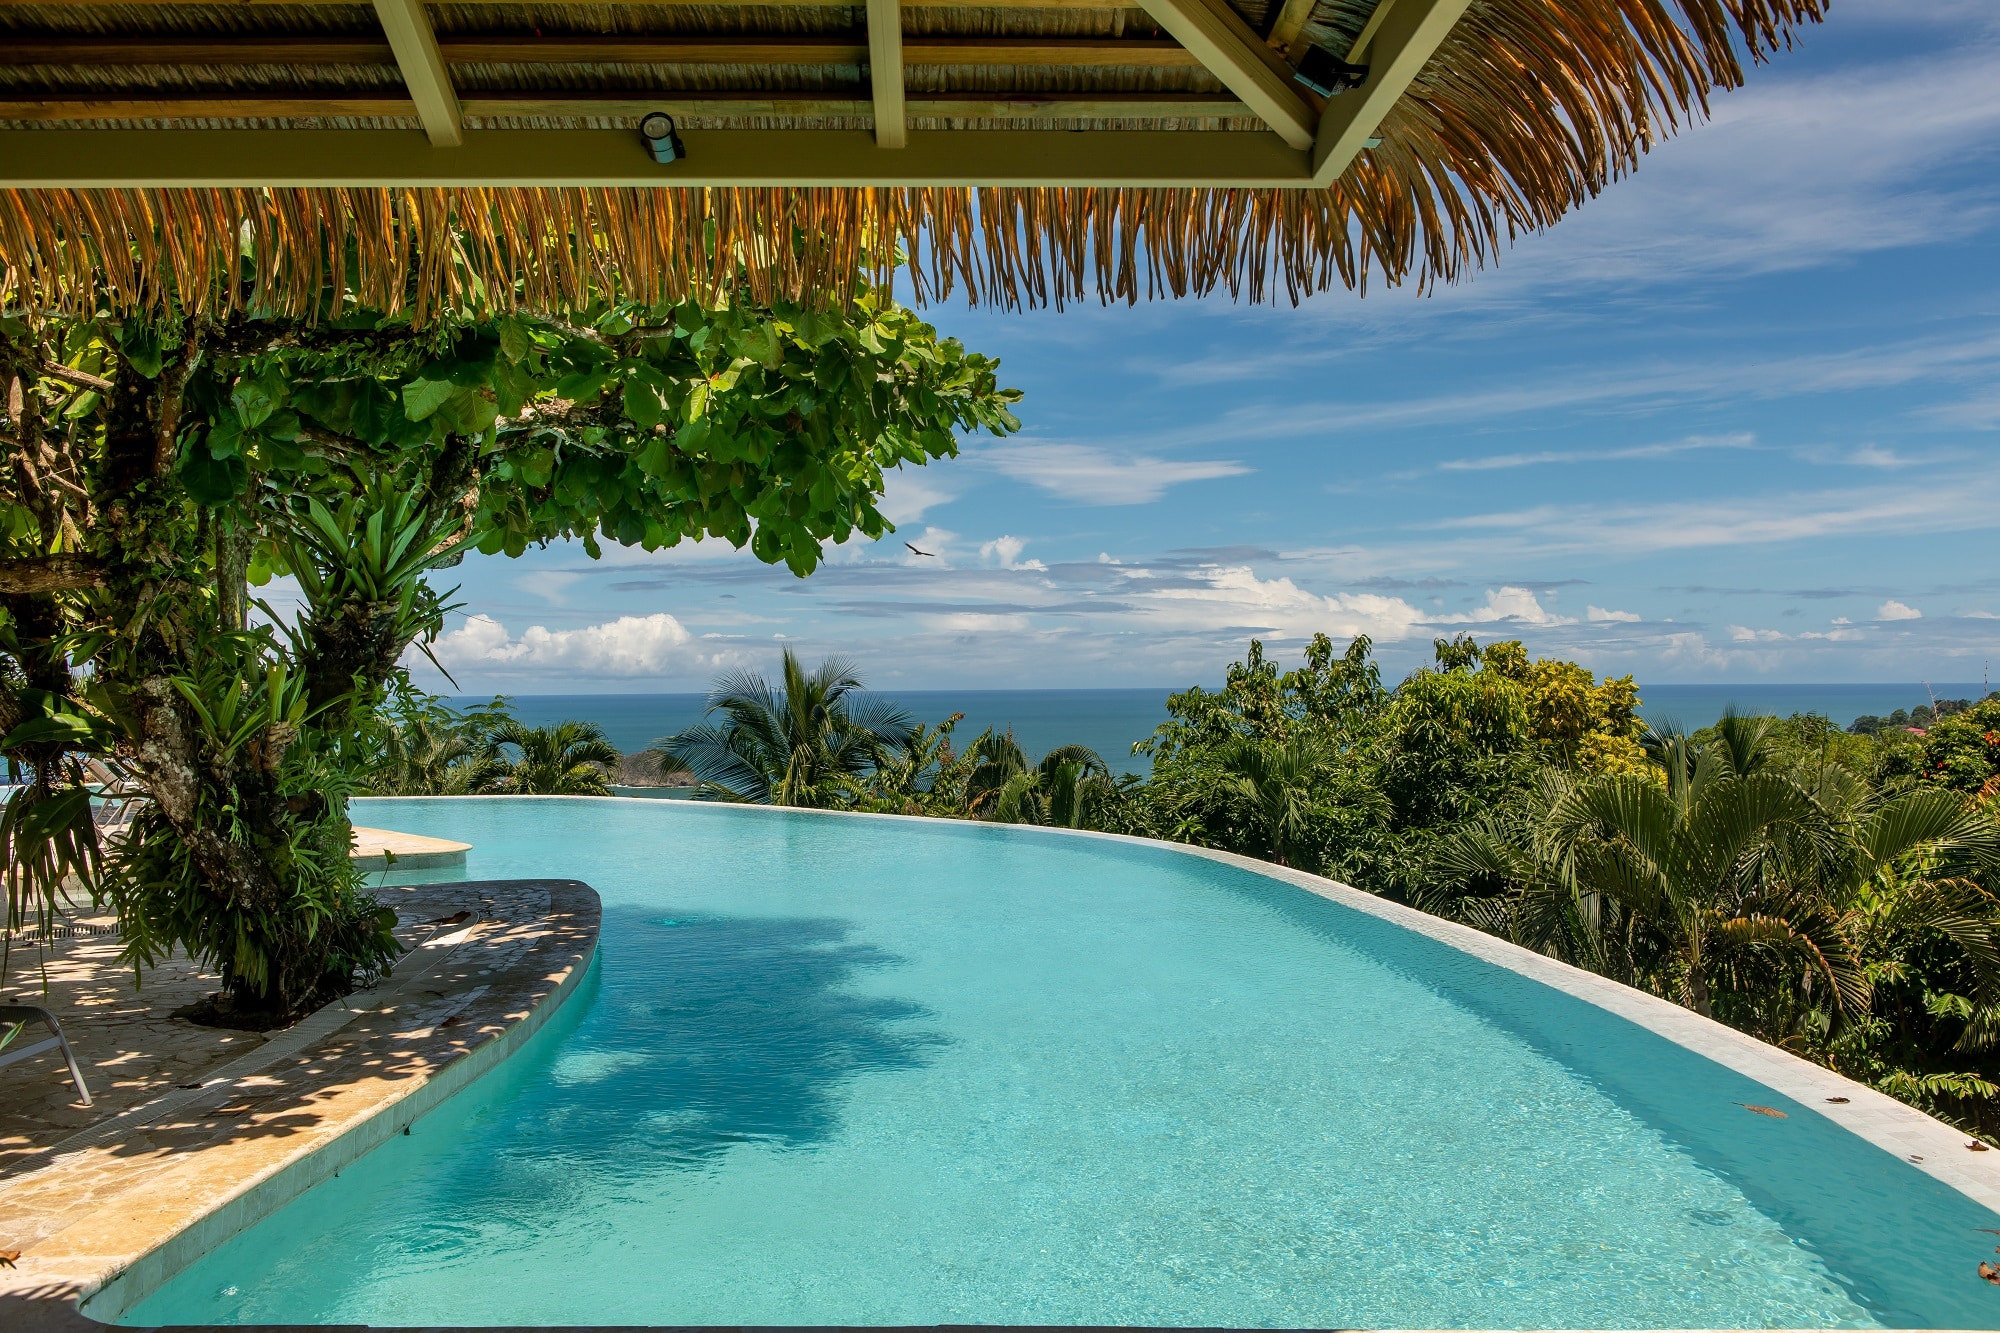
(1529, 108)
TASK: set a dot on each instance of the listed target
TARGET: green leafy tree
(1960, 751)
(567, 759)
(807, 741)
(161, 468)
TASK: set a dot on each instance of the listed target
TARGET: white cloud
(1842, 620)
(1895, 610)
(1233, 598)
(1006, 551)
(1507, 604)
(1694, 650)
(1092, 475)
(548, 584)
(628, 646)
(1598, 613)
(1744, 634)
(907, 495)
(1598, 529)
(1495, 462)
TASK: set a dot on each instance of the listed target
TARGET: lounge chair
(19, 1016)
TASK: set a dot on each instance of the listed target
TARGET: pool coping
(1921, 1140)
(167, 1181)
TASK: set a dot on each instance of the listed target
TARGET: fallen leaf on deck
(7, 1258)
(1838, 1101)
(452, 920)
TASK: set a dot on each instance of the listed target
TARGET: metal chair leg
(20, 1015)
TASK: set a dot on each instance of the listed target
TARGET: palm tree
(1070, 788)
(422, 759)
(1723, 879)
(807, 743)
(1271, 785)
(568, 759)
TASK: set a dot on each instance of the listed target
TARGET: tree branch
(83, 379)
(50, 573)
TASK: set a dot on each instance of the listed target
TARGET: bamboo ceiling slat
(153, 51)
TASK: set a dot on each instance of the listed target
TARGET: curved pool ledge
(1895, 1127)
(1924, 1144)
(123, 1206)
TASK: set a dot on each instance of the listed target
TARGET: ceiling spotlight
(657, 129)
(1327, 74)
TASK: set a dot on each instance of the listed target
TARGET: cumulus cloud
(1006, 551)
(1232, 597)
(1600, 614)
(1098, 476)
(1895, 610)
(652, 645)
(1508, 604)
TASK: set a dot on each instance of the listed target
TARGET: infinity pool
(853, 1071)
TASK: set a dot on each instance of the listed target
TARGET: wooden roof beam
(408, 29)
(885, 72)
(841, 5)
(1406, 33)
(1219, 38)
(498, 159)
(631, 106)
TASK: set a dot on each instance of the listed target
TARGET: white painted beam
(1404, 40)
(885, 72)
(1219, 38)
(109, 159)
(408, 29)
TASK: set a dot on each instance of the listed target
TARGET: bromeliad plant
(153, 472)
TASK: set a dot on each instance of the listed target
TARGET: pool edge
(96, 1260)
(1920, 1140)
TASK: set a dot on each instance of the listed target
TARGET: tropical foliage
(1830, 892)
(160, 467)
(807, 741)
(567, 759)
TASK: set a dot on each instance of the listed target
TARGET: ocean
(1109, 721)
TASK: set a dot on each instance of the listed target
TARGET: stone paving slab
(114, 1210)
(130, 1045)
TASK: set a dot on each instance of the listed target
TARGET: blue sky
(1735, 420)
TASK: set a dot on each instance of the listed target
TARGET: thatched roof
(1056, 151)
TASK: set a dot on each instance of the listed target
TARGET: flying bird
(931, 554)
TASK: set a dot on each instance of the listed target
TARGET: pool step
(373, 848)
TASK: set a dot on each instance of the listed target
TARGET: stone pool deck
(198, 1132)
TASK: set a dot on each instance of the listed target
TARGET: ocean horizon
(1110, 721)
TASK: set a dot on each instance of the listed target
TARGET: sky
(1735, 420)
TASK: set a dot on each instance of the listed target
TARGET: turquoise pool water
(886, 1072)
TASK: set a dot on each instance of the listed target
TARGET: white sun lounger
(19, 1016)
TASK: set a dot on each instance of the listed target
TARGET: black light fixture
(662, 141)
(1327, 74)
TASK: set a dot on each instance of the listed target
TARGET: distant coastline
(1109, 721)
